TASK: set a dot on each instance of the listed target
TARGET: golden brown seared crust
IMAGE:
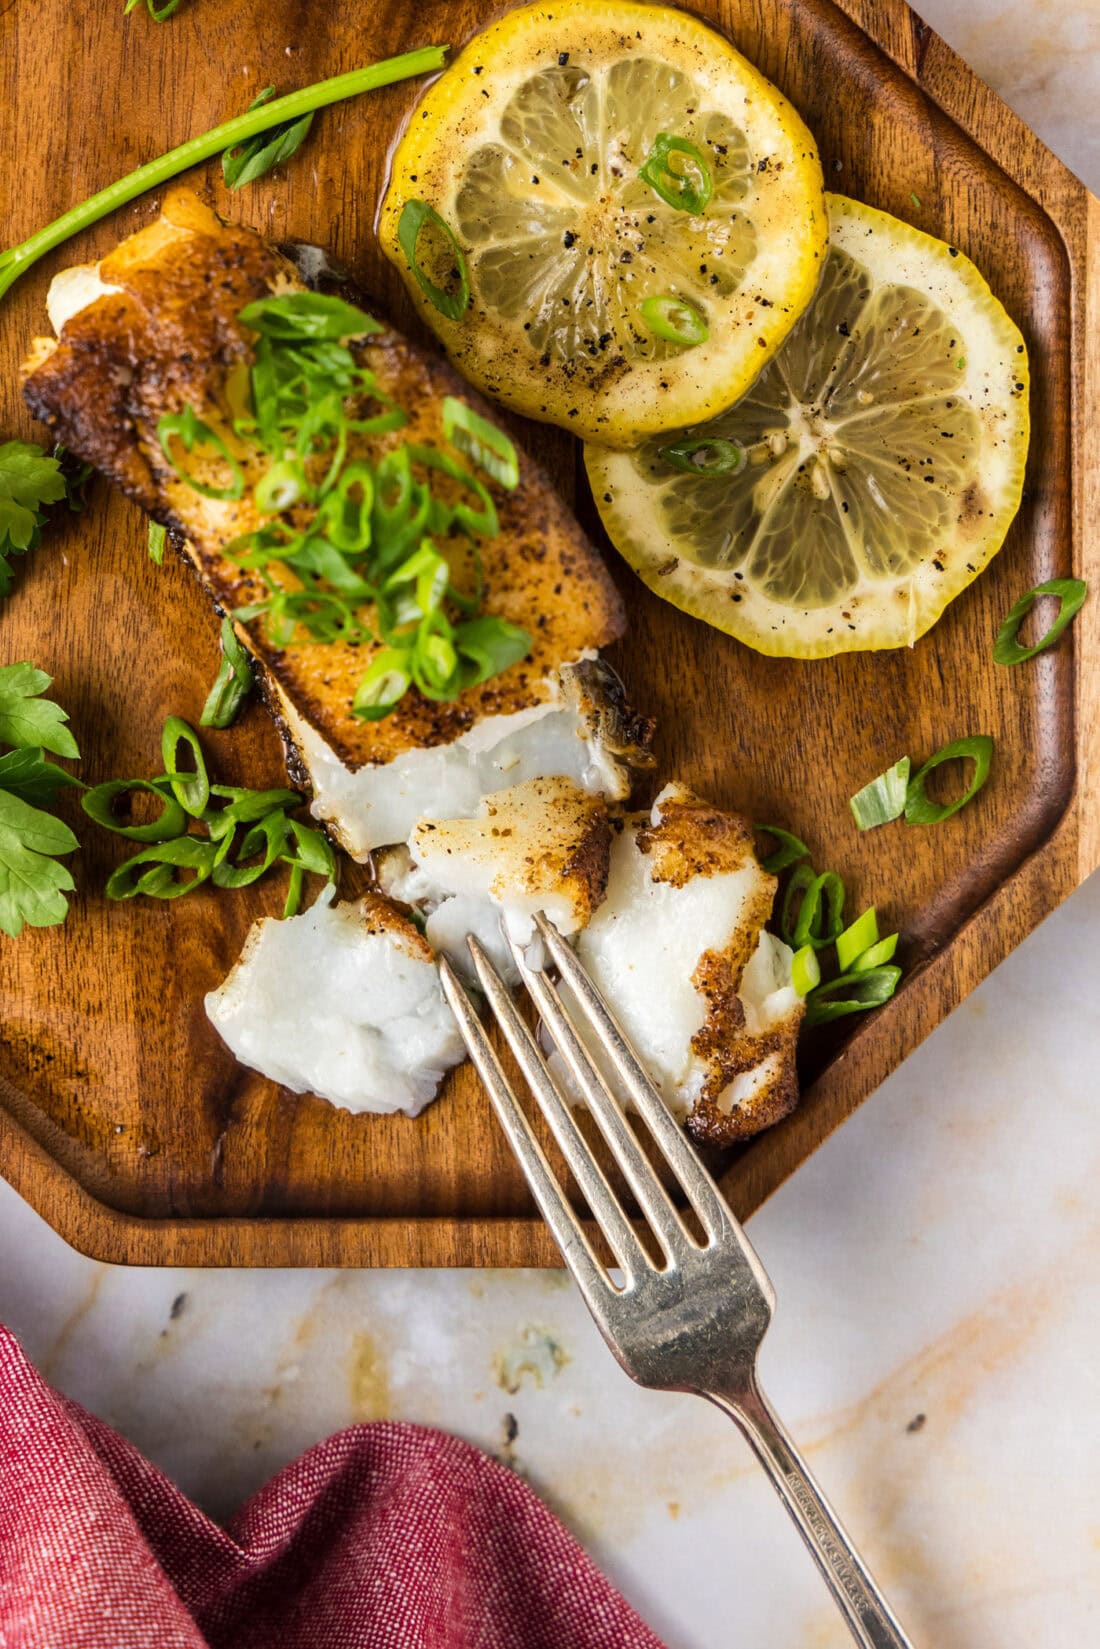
(380, 916)
(730, 1050)
(694, 838)
(171, 338)
(544, 837)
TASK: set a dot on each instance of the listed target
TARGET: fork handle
(869, 1616)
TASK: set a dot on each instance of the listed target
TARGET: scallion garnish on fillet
(348, 549)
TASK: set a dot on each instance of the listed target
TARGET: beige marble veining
(937, 1264)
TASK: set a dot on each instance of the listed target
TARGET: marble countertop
(937, 1343)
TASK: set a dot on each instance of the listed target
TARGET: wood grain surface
(123, 1119)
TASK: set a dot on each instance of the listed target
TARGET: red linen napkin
(385, 1536)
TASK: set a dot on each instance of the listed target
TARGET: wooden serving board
(123, 1119)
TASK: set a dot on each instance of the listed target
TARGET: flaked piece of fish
(343, 1001)
(679, 949)
(153, 329)
(542, 845)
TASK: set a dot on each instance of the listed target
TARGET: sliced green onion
(859, 937)
(801, 878)
(821, 914)
(267, 838)
(688, 185)
(232, 684)
(805, 970)
(488, 646)
(789, 849)
(851, 993)
(169, 823)
(158, 536)
(191, 789)
(312, 850)
(883, 799)
(245, 162)
(479, 440)
(191, 432)
(245, 806)
(316, 317)
(159, 881)
(713, 457)
(386, 681)
(416, 216)
(919, 809)
(674, 319)
(1071, 593)
(877, 956)
(293, 901)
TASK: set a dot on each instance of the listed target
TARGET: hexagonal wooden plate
(122, 1118)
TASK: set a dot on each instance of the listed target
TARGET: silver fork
(695, 1323)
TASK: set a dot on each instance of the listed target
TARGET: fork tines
(572, 1043)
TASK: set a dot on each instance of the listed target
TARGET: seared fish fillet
(343, 1001)
(679, 950)
(153, 328)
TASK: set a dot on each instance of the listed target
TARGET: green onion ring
(171, 822)
(678, 189)
(415, 216)
(185, 853)
(674, 320)
(789, 849)
(191, 789)
(851, 993)
(859, 937)
(919, 809)
(479, 440)
(713, 457)
(1071, 593)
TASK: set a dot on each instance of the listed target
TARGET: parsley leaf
(28, 774)
(29, 478)
(32, 884)
(27, 720)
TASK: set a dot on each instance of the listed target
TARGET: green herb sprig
(224, 834)
(342, 536)
(33, 884)
(18, 259)
(30, 479)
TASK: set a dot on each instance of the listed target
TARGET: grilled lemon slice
(867, 477)
(599, 299)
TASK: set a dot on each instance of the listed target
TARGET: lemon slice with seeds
(612, 303)
(866, 478)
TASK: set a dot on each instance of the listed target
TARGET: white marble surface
(936, 1350)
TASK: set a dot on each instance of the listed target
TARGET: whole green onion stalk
(18, 259)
